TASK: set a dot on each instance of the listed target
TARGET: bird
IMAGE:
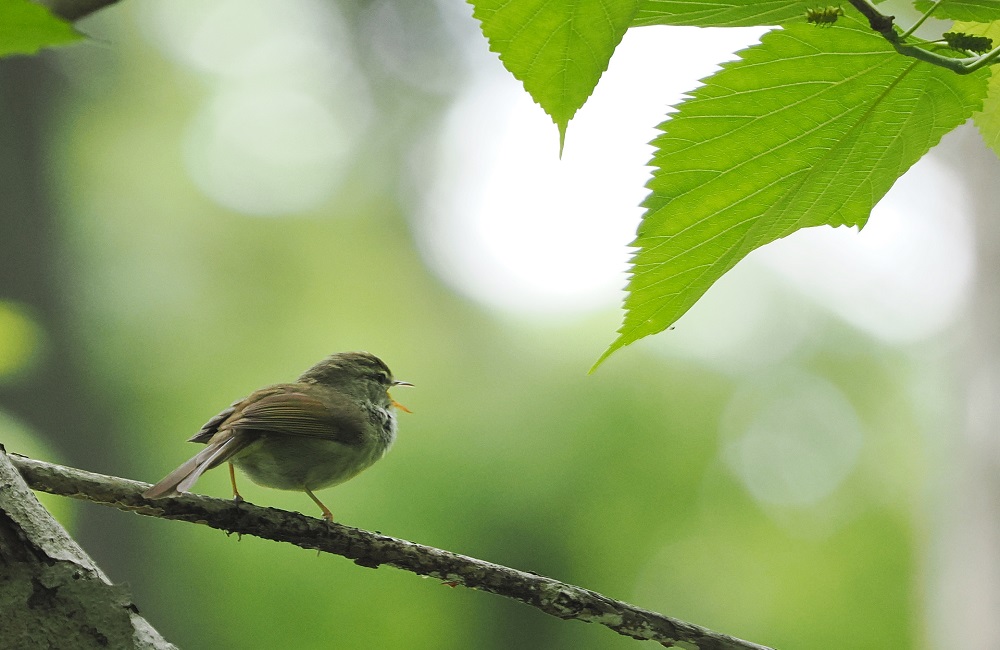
(333, 422)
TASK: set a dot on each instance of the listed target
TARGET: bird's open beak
(394, 402)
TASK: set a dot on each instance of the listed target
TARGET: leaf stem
(927, 14)
(986, 59)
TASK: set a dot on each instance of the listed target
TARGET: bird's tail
(184, 477)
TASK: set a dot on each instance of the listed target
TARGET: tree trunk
(52, 595)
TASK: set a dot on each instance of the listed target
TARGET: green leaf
(810, 128)
(721, 13)
(26, 27)
(978, 11)
(558, 50)
(988, 120)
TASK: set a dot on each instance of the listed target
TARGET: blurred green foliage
(617, 481)
(26, 27)
(20, 337)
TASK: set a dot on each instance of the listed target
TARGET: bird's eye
(383, 378)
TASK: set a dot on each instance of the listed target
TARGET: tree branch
(878, 21)
(372, 550)
(883, 24)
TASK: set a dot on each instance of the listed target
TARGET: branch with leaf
(810, 127)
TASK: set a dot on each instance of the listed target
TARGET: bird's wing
(210, 428)
(334, 417)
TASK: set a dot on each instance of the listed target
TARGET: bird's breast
(301, 462)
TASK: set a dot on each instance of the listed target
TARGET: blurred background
(210, 197)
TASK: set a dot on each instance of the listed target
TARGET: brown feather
(335, 417)
(212, 427)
